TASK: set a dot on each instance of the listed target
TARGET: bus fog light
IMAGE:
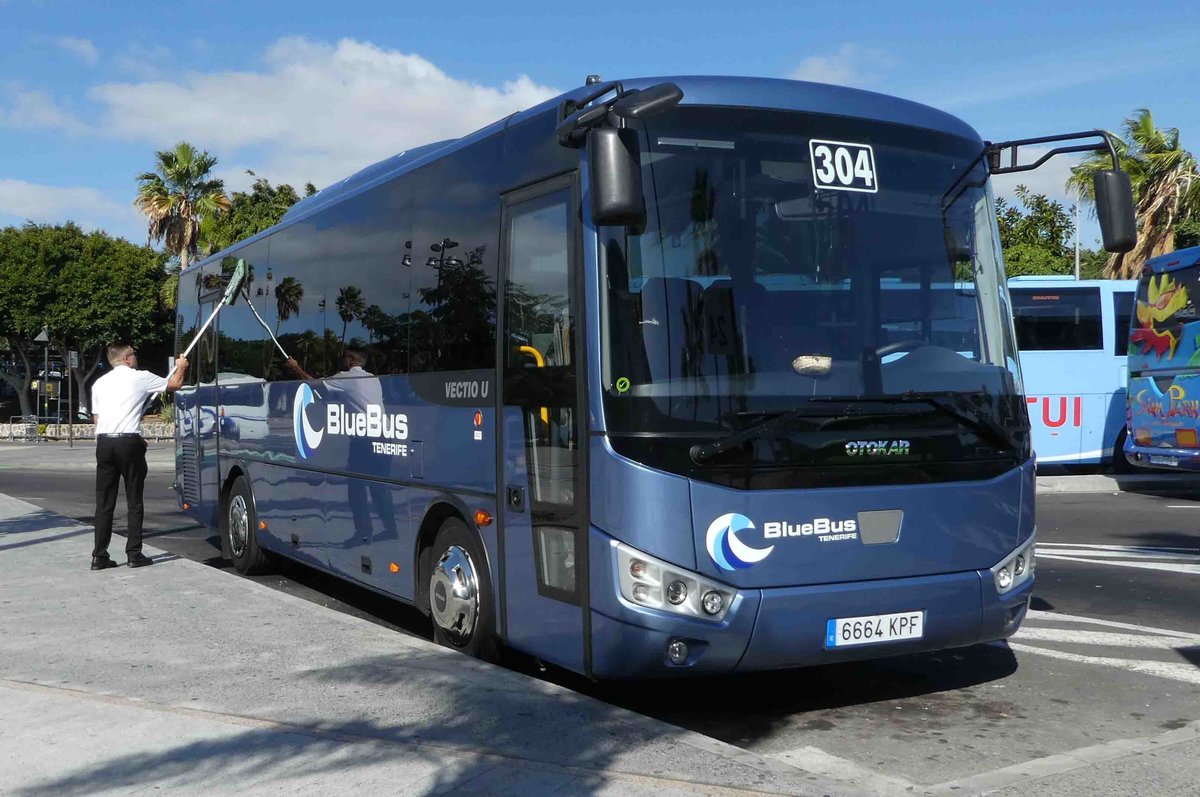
(637, 568)
(677, 652)
(713, 602)
(677, 592)
(1004, 578)
(1019, 566)
(641, 593)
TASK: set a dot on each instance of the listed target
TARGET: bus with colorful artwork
(1164, 364)
(1074, 337)
(653, 378)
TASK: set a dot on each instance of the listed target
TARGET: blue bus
(1073, 336)
(648, 379)
(1164, 364)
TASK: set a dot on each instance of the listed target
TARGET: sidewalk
(183, 678)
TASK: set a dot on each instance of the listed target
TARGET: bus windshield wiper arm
(769, 426)
(951, 405)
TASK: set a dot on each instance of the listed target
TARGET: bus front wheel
(460, 592)
(240, 525)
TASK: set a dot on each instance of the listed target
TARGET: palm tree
(1166, 188)
(177, 195)
(350, 305)
(288, 295)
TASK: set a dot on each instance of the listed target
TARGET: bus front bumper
(786, 627)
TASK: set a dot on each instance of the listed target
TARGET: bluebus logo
(307, 438)
(726, 549)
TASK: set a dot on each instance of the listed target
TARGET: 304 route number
(842, 166)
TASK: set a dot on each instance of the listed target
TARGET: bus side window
(1122, 311)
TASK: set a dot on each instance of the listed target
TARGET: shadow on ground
(432, 749)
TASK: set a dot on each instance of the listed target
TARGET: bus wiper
(763, 428)
(952, 405)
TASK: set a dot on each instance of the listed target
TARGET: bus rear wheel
(239, 523)
(460, 592)
(1120, 462)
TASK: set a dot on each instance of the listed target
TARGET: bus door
(542, 484)
(197, 426)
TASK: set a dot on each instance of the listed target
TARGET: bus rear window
(1057, 319)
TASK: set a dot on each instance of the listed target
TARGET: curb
(1134, 483)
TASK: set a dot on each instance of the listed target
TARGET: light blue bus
(1074, 337)
(649, 379)
(1164, 364)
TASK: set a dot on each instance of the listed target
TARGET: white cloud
(82, 49)
(35, 109)
(319, 111)
(145, 63)
(22, 201)
(851, 65)
(1050, 179)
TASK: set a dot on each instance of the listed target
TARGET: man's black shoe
(102, 563)
(139, 560)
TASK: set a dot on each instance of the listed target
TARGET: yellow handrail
(540, 359)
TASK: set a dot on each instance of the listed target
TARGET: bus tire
(239, 524)
(1120, 462)
(460, 592)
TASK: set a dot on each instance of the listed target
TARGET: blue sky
(301, 91)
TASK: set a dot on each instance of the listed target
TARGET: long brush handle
(196, 339)
(267, 328)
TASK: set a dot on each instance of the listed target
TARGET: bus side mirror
(615, 174)
(1114, 209)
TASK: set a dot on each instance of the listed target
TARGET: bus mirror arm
(1113, 191)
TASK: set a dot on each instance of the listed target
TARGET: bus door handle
(516, 498)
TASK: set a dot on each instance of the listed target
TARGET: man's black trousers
(119, 458)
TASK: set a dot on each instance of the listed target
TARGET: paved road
(1108, 660)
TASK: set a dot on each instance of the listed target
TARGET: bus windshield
(793, 259)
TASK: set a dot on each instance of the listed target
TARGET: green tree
(350, 305)
(249, 213)
(175, 198)
(87, 288)
(1187, 233)
(1166, 188)
(1035, 236)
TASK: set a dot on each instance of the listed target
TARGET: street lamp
(44, 338)
(441, 247)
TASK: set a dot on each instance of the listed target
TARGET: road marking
(1163, 566)
(1037, 615)
(816, 760)
(1147, 638)
(1128, 548)
(1143, 557)
(1081, 758)
(1108, 638)
(1183, 506)
(1176, 671)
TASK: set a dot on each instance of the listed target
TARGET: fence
(30, 428)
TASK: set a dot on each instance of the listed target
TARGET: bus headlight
(1016, 568)
(650, 582)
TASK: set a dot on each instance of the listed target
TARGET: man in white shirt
(119, 400)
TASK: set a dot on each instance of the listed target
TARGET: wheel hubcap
(239, 526)
(454, 595)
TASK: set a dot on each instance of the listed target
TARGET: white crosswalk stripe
(1047, 628)
(1142, 557)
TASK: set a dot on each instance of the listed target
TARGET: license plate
(844, 632)
(1172, 462)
